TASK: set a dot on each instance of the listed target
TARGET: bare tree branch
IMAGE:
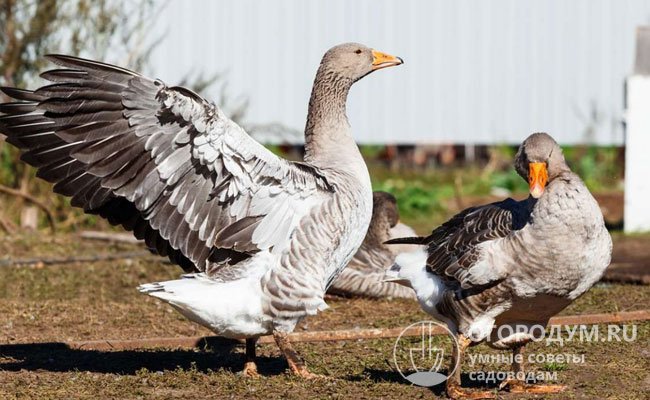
(32, 199)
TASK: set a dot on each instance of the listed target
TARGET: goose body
(256, 303)
(364, 275)
(261, 238)
(526, 276)
(511, 264)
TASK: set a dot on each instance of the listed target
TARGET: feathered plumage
(364, 275)
(512, 263)
(264, 236)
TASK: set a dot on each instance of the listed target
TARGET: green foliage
(508, 180)
(414, 198)
(553, 366)
(6, 166)
(430, 196)
(599, 167)
(371, 151)
(427, 197)
(504, 152)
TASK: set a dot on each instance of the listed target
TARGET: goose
(260, 238)
(401, 230)
(364, 275)
(494, 269)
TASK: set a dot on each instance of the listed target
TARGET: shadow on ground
(378, 375)
(211, 355)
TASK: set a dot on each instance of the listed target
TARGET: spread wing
(160, 161)
(458, 249)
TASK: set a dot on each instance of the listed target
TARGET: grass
(46, 305)
(554, 366)
(436, 193)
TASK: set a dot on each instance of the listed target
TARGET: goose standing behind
(364, 275)
(401, 230)
(261, 237)
(511, 263)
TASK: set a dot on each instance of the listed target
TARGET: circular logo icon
(422, 349)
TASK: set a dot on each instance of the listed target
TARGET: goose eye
(358, 51)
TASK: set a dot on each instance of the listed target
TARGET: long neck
(327, 130)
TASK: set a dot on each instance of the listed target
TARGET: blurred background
(439, 132)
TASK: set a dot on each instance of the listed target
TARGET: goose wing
(459, 250)
(160, 161)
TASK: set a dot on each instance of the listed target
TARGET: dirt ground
(42, 306)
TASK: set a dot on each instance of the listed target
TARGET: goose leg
(516, 385)
(250, 368)
(296, 363)
(454, 390)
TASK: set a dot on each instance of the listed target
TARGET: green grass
(434, 194)
(553, 366)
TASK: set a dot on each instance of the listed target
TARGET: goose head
(353, 61)
(539, 161)
(385, 216)
(384, 208)
(327, 131)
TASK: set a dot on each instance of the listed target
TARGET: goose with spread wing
(261, 238)
(364, 275)
(497, 272)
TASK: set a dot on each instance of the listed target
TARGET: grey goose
(364, 275)
(493, 269)
(260, 238)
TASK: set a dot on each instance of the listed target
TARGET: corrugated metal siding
(476, 71)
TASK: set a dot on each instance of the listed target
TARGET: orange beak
(382, 60)
(537, 178)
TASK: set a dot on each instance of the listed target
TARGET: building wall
(475, 71)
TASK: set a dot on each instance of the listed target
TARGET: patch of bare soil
(630, 260)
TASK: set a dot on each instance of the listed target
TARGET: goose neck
(327, 122)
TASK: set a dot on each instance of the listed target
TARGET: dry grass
(98, 300)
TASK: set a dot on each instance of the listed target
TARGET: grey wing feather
(456, 248)
(160, 161)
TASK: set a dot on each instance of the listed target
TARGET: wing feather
(456, 249)
(160, 161)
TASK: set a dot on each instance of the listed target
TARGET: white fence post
(637, 144)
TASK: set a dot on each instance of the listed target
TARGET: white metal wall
(475, 71)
